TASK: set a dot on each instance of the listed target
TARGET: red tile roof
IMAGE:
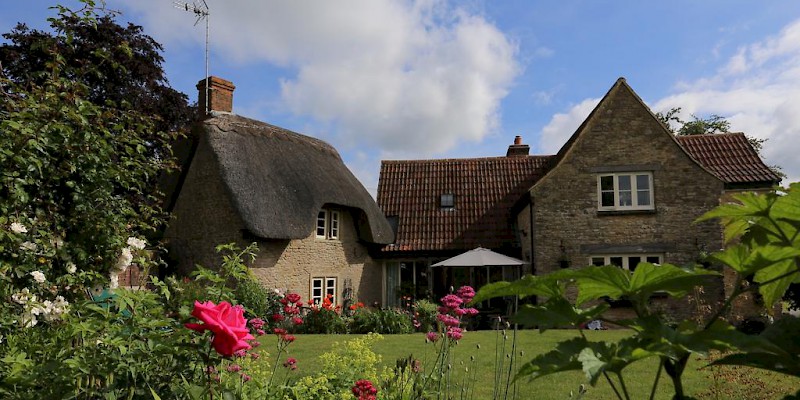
(730, 157)
(485, 190)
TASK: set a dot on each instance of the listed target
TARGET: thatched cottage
(247, 181)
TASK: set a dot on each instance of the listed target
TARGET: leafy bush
(425, 313)
(256, 299)
(323, 320)
(381, 320)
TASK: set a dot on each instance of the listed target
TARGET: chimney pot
(518, 149)
(220, 95)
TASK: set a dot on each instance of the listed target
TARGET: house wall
(291, 264)
(622, 133)
(204, 217)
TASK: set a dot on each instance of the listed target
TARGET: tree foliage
(766, 231)
(120, 66)
(76, 173)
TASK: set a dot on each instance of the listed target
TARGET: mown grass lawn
(709, 383)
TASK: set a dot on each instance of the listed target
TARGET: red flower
(293, 298)
(288, 338)
(226, 322)
(297, 321)
(279, 331)
(291, 363)
(364, 390)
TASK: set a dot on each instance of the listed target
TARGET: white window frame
(634, 191)
(327, 223)
(326, 285)
(626, 259)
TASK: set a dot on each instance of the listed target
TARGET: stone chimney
(518, 149)
(220, 95)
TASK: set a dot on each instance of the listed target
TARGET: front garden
(77, 210)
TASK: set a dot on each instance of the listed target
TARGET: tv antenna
(202, 13)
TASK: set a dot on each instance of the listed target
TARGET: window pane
(608, 199)
(643, 182)
(643, 197)
(633, 262)
(654, 259)
(616, 261)
(624, 182)
(321, 223)
(607, 182)
(334, 225)
(598, 261)
(448, 200)
(625, 198)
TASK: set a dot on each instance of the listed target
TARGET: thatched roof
(278, 180)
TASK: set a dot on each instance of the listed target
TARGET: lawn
(707, 383)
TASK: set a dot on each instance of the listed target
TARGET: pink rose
(227, 323)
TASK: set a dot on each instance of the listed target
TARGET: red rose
(226, 322)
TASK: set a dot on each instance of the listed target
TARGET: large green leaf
(556, 312)
(779, 275)
(597, 282)
(563, 358)
(602, 357)
(778, 349)
(528, 285)
(649, 278)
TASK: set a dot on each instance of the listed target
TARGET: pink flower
(460, 311)
(466, 293)
(432, 337)
(240, 353)
(279, 331)
(454, 333)
(448, 320)
(255, 343)
(255, 356)
(288, 338)
(291, 363)
(452, 301)
(234, 368)
(471, 312)
(226, 322)
(297, 321)
(245, 377)
(260, 332)
(291, 310)
(257, 323)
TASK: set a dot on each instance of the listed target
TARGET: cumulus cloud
(757, 90)
(409, 75)
(563, 125)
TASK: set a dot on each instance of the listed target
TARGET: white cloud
(413, 75)
(757, 90)
(563, 125)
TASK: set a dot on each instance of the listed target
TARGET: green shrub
(425, 313)
(255, 298)
(384, 321)
(323, 320)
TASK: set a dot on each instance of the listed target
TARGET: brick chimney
(220, 94)
(518, 149)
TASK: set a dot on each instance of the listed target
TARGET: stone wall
(622, 133)
(204, 217)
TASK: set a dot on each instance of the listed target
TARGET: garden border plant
(763, 236)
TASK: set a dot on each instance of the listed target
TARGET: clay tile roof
(485, 190)
(730, 157)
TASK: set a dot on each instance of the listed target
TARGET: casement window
(625, 191)
(321, 288)
(328, 224)
(625, 261)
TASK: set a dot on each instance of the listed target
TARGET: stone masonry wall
(622, 132)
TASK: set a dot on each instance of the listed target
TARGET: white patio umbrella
(479, 257)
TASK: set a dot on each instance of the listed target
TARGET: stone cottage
(621, 190)
(247, 181)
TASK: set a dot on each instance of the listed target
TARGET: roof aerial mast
(202, 13)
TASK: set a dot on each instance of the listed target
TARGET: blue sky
(409, 79)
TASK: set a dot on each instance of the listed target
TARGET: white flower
(57, 242)
(28, 246)
(16, 227)
(124, 260)
(38, 276)
(54, 310)
(71, 268)
(29, 319)
(136, 243)
(113, 279)
(23, 297)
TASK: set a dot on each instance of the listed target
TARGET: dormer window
(447, 201)
(328, 224)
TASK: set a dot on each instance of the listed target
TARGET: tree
(119, 65)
